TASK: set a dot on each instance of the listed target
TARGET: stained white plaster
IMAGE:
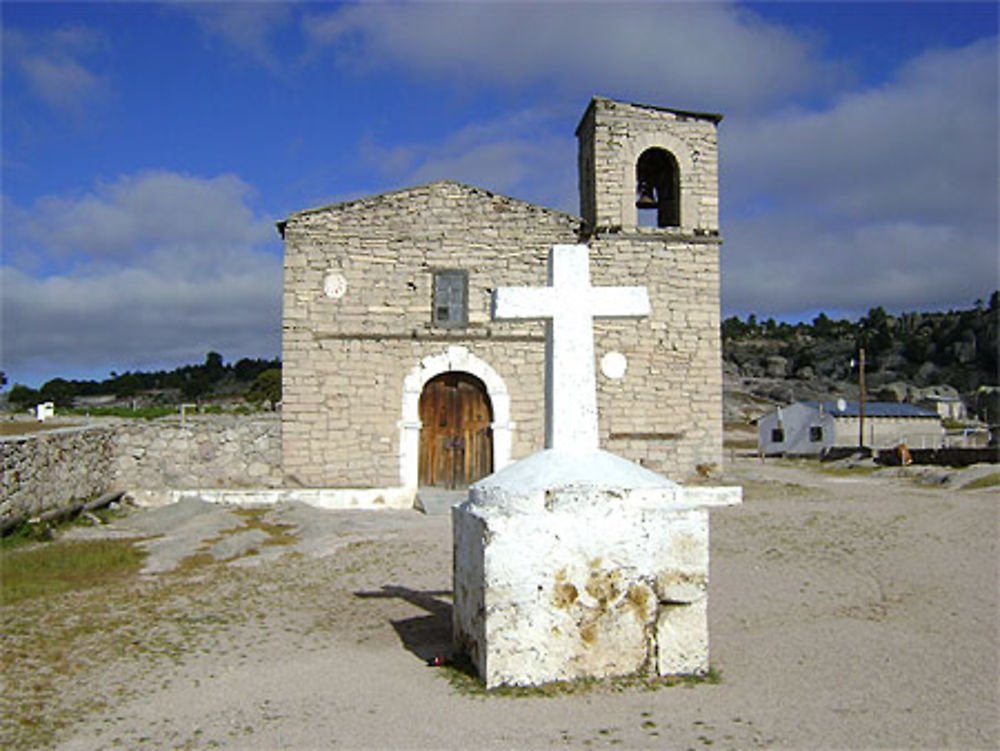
(569, 305)
(614, 365)
(575, 562)
(334, 285)
(571, 593)
(324, 498)
(553, 479)
(682, 638)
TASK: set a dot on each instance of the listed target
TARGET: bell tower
(645, 168)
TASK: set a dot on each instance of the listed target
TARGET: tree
(266, 387)
(59, 391)
(22, 396)
(823, 326)
(196, 384)
(733, 328)
(214, 367)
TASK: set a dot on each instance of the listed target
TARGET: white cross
(569, 306)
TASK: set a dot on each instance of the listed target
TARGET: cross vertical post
(569, 305)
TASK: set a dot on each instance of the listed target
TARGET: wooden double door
(456, 442)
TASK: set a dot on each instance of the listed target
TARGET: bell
(646, 199)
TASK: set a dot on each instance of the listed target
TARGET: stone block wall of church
(346, 359)
(666, 412)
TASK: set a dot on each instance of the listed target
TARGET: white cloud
(786, 264)
(524, 154)
(924, 144)
(247, 27)
(690, 54)
(153, 268)
(890, 197)
(143, 215)
(56, 65)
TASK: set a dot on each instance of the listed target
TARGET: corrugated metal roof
(874, 409)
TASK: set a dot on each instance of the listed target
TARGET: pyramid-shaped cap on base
(556, 480)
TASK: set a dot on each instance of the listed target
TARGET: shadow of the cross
(426, 636)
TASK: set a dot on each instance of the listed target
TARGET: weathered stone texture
(346, 358)
(205, 452)
(50, 470)
(613, 135)
(568, 593)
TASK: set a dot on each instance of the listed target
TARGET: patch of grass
(23, 534)
(463, 677)
(20, 427)
(278, 534)
(251, 518)
(64, 566)
(986, 481)
(860, 470)
(148, 413)
(192, 562)
(756, 490)
(28, 532)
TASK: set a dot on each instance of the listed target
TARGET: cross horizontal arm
(524, 303)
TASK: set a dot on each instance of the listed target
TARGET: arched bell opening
(658, 195)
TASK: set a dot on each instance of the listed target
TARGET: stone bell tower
(649, 198)
(648, 167)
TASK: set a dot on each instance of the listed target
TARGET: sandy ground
(846, 611)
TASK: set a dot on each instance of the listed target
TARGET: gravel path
(847, 611)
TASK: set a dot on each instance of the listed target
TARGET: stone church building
(394, 374)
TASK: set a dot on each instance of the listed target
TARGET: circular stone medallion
(614, 365)
(335, 285)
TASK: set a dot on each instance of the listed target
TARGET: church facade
(394, 374)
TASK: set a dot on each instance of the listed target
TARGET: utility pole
(861, 384)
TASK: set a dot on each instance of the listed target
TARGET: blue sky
(149, 148)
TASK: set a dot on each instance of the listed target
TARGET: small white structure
(948, 407)
(45, 411)
(810, 428)
(574, 562)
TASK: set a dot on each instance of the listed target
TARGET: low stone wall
(205, 452)
(44, 471)
(50, 470)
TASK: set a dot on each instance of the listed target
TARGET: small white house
(810, 428)
(45, 411)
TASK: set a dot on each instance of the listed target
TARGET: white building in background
(949, 407)
(810, 428)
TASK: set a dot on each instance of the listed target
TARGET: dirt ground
(848, 609)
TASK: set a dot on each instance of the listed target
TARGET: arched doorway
(456, 438)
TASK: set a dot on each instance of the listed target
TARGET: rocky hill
(909, 358)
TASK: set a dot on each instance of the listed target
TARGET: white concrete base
(324, 498)
(590, 578)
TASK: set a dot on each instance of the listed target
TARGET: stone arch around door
(454, 359)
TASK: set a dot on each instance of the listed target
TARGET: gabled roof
(873, 409)
(437, 185)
